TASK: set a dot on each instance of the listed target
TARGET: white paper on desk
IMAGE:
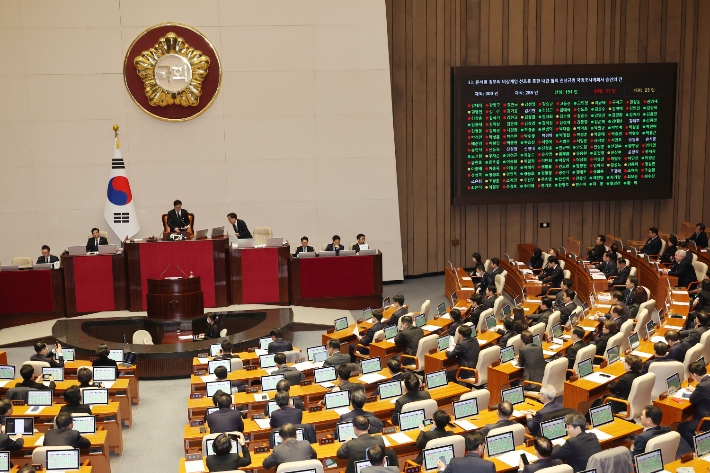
(371, 378)
(390, 340)
(558, 341)
(184, 337)
(498, 327)
(263, 423)
(480, 342)
(108, 384)
(599, 379)
(387, 441)
(513, 458)
(194, 466)
(465, 425)
(260, 397)
(392, 401)
(270, 370)
(534, 301)
(356, 332)
(589, 329)
(680, 303)
(517, 413)
(598, 276)
(566, 337)
(446, 316)
(658, 338)
(554, 347)
(208, 378)
(203, 361)
(260, 352)
(514, 362)
(679, 394)
(465, 278)
(680, 292)
(304, 365)
(431, 328)
(548, 352)
(327, 385)
(319, 364)
(603, 306)
(342, 410)
(40, 442)
(4, 382)
(560, 441)
(600, 435)
(526, 271)
(604, 296)
(642, 354)
(400, 437)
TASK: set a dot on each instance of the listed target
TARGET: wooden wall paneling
(495, 34)
(473, 33)
(618, 8)
(547, 32)
(513, 227)
(579, 49)
(493, 231)
(516, 46)
(631, 31)
(701, 59)
(531, 25)
(543, 234)
(670, 52)
(409, 94)
(606, 31)
(431, 137)
(449, 41)
(593, 43)
(485, 25)
(505, 31)
(643, 32)
(684, 95)
(569, 44)
(559, 46)
(472, 243)
(654, 30)
(442, 202)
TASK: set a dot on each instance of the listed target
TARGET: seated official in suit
(692, 336)
(532, 360)
(102, 359)
(344, 371)
(660, 349)
(360, 241)
(358, 398)
(504, 411)
(395, 369)
(411, 384)
(622, 275)
(441, 421)
(178, 218)
(621, 387)
(544, 313)
(224, 459)
(54, 357)
(46, 256)
(225, 419)
(285, 386)
(466, 351)
(490, 298)
(700, 398)
(225, 352)
(213, 328)
(577, 338)
(479, 272)
(398, 303)
(653, 244)
(560, 295)
(237, 385)
(376, 455)
(335, 358)
(368, 338)
(609, 329)
(5, 410)
(27, 372)
(618, 314)
(286, 413)
(477, 308)
(543, 451)
(240, 228)
(63, 435)
(362, 441)
(699, 237)
(96, 239)
(702, 298)
(631, 283)
(596, 253)
(409, 337)
(508, 332)
(304, 248)
(651, 418)
(456, 321)
(289, 372)
(72, 397)
(84, 375)
(607, 266)
(278, 344)
(569, 307)
(688, 254)
(683, 270)
(580, 446)
(668, 256)
(536, 260)
(335, 246)
(554, 276)
(473, 462)
(677, 349)
(11, 444)
(548, 394)
(290, 450)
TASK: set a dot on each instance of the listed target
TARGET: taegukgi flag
(120, 212)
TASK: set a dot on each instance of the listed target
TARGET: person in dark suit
(360, 241)
(409, 336)
(457, 320)
(668, 256)
(362, 441)
(577, 344)
(285, 414)
(609, 329)
(480, 274)
(103, 360)
(26, 372)
(72, 397)
(225, 352)
(63, 435)
(285, 386)
(505, 410)
(623, 274)
(240, 227)
(54, 357)
(441, 421)
(358, 398)
(536, 260)
(290, 450)
(490, 299)
(368, 338)
(213, 327)
(580, 446)
(304, 248)
(607, 266)
(335, 246)
(569, 307)
(618, 313)
(596, 253)
(396, 373)
(278, 344)
(700, 398)
(651, 418)
(543, 449)
(335, 358)
(224, 419)
(699, 237)
(46, 256)
(178, 219)
(93, 244)
(548, 394)
(223, 458)
(688, 254)
(560, 295)
(376, 454)
(544, 312)
(398, 302)
(677, 349)
(5, 410)
(653, 244)
(473, 461)
(532, 360)
(692, 336)
(702, 298)
(84, 375)
(631, 283)
(621, 387)
(495, 271)
(508, 333)
(289, 372)
(477, 308)
(554, 276)
(11, 444)
(466, 351)
(411, 383)
(344, 384)
(661, 350)
(683, 270)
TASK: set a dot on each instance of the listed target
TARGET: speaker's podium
(174, 299)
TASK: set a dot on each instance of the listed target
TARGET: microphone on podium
(161, 274)
(183, 272)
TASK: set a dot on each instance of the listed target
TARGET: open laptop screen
(443, 342)
(441, 309)
(313, 350)
(4, 461)
(337, 399)
(634, 341)
(324, 375)
(63, 460)
(341, 324)
(507, 354)
(104, 373)
(214, 386)
(702, 444)
(94, 396)
(672, 384)
(268, 383)
(585, 368)
(84, 424)
(116, 355)
(612, 355)
(39, 398)
(213, 364)
(390, 389)
(19, 425)
(346, 431)
(266, 361)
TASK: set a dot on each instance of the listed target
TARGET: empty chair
(516, 343)
(482, 319)
(691, 355)
(485, 359)
(626, 329)
(425, 344)
(586, 352)
(668, 443)
(555, 374)
(482, 396)
(487, 265)
(140, 335)
(500, 281)
(544, 258)
(632, 271)
(22, 261)
(456, 440)
(538, 329)
(663, 371)
(518, 433)
(39, 454)
(303, 465)
(292, 355)
(237, 364)
(551, 322)
(429, 405)
(498, 307)
(649, 305)
(642, 319)
(37, 365)
(260, 235)
(613, 459)
(639, 397)
(701, 270)
(705, 343)
(567, 273)
(425, 308)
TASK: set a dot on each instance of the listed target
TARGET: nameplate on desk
(250, 367)
(203, 355)
(200, 373)
(96, 450)
(662, 396)
(495, 363)
(193, 456)
(529, 442)
(109, 419)
(37, 467)
(197, 423)
(263, 449)
(252, 390)
(371, 399)
(196, 396)
(326, 441)
(300, 360)
(687, 457)
(306, 382)
(413, 469)
(433, 350)
(257, 416)
(389, 430)
(315, 408)
(331, 330)
(573, 378)
(18, 403)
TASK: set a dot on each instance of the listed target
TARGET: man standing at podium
(94, 242)
(46, 257)
(240, 228)
(178, 220)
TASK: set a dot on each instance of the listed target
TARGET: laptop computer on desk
(326, 254)
(107, 249)
(217, 232)
(77, 250)
(370, 252)
(274, 242)
(9, 267)
(201, 234)
(246, 243)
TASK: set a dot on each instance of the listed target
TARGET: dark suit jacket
(406, 399)
(555, 277)
(359, 444)
(489, 302)
(376, 425)
(43, 260)
(652, 246)
(684, 272)
(677, 351)
(642, 439)
(336, 359)
(621, 387)
(596, 253)
(76, 409)
(9, 444)
(228, 462)
(409, 339)
(701, 398)
(370, 335)
(476, 315)
(602, 342)
(280, 345)
(628, 297)
(178, 221)
(225, 420)
(291, 374)
(54, 360)
(542, 317)
(559, 300)
(104, 361)
(577, 450)
(241, 228)
(503, 341)
(622, 276)
(467, 351)
(657, 359)
(700, 240)
(692, 337)
(572, 353)
(532, 360)
(299, 249)
(427, 435)
(212, 332)
(331, 247)
(703, 301)
(469, 464)
(497, 425)
(349, 385)
(668, 256)
(608, 268)
(285, 415)
(297, 403)
(541, 464)
(35, 385)
(455, 325)
(394, 318)
(566, 312)
(91, 244)
(290, 451)
(65, 437)
(534, 423)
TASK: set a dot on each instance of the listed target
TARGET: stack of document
(600, 378)
(431, 328)
(262, 423)
(682, 394)
(304, 365)
(194, 466)
(400, 437)
(600, 435)
(371, 378)
(203, 361)
(342, 410)
(208, 378)
(642, 354)
(260, 352)
(513, 458)
(465, 425)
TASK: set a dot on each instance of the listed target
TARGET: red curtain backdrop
(260, 275)
(195, 256)
(24, 292)
(341, 276)
(93, 280)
